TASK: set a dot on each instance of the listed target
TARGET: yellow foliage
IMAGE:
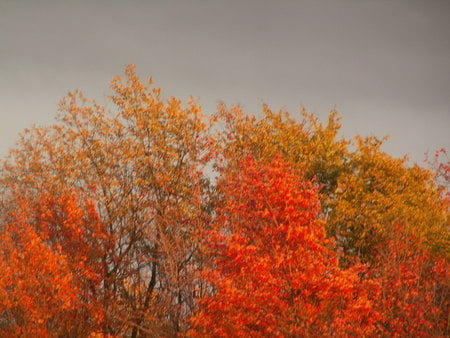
(365, 192)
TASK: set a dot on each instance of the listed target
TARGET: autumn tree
(380, 192)
(440, 165)
(52, 269)
(140, 162)
(273, 270)
(415, 288)
(115, 200)
(364, 191)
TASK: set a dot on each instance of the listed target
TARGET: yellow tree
(364, 192)
(380, 192)
(141, 163)
(308, 145)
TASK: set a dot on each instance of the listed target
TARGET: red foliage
(51, 266)
(415, 288)
(274, 272)
(440, 164)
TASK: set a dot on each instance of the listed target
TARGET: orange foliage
(145, 158)
(104, 219)
(274, 272)
(51, 266)
(415, 288)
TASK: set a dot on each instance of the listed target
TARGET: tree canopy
(148, 217)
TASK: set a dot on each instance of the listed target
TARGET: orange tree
(364, 192)
(273, 269)
(141, 164)
(52, 269)
(414, 298)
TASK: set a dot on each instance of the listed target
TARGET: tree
(116, 202)
(440, 165)
(364, 192)
(415, 290)
(141, 165)
(274, 272)
(380, 192)
(52, 271)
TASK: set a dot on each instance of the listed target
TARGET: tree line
(147, 217)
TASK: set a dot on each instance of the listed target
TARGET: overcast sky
(385, 65)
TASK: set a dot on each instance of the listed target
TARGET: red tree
(52, 269)
(274, 272)
(415, 288)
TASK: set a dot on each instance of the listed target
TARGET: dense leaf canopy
(146, 217)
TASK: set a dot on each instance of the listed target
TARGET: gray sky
(385, 65)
